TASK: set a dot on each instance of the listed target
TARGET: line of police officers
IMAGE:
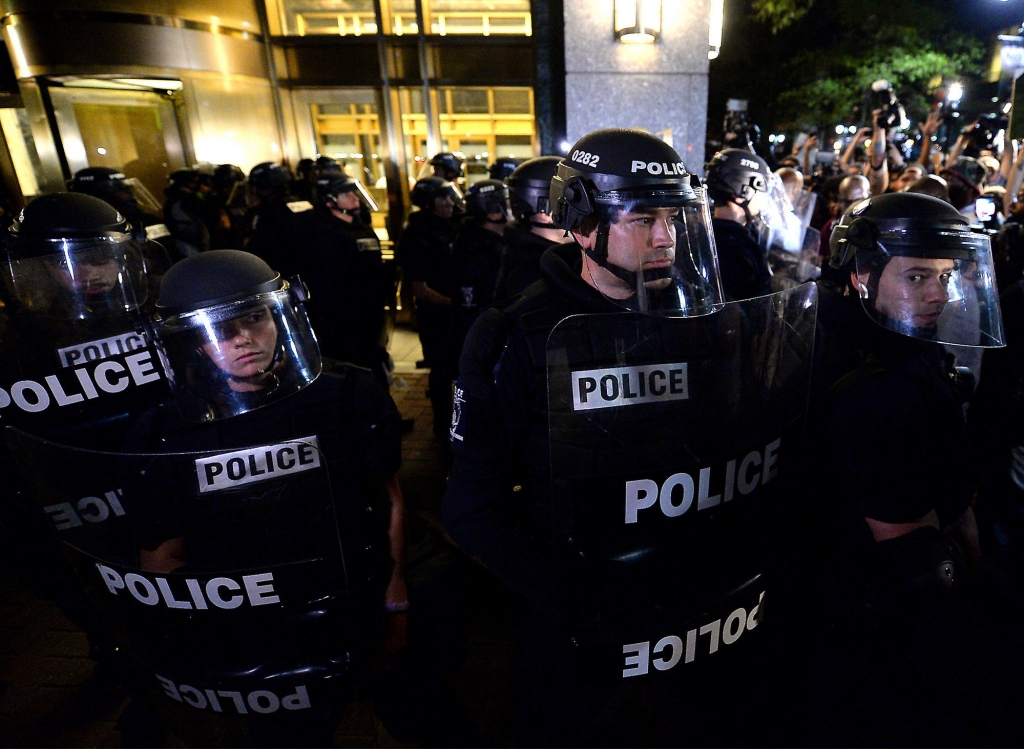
(700, 558)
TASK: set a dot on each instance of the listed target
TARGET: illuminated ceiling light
(715, 30)
(637, 21)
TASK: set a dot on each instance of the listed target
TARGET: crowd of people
(823, 356)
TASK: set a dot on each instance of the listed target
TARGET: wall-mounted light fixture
(637, 21)
(715, 31)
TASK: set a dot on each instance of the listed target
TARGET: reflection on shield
(260, 620)
(672, 442)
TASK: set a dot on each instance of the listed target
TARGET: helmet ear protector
(574, 205)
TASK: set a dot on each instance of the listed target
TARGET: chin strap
(599, 254)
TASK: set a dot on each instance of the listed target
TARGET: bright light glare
(564, 146)
(956, 92)
(771, 138)
(840, 129)
(781, 138)
(101, 151)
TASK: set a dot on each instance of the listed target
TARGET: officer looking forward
(263, 429)
(570, 392)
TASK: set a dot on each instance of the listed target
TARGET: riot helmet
(918, 269)
(486, 197)
(428, 190)
(183, 179)
(503, 167)
(325, 166)
(226, 176)
(738, 176)
(232, 334)
(448, 164)
(529, 188)
(126, 194)
(332, 190)
(642, 221)
(73, 256)
(270, 177)
(304, 168)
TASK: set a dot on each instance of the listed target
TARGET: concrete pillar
(660, 87)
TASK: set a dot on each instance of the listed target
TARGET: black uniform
(743, 265)
(425, 253)
(520, 261)
(476, 263)
(895, 635)
(272, 228)
(183, 218)
(341, 264)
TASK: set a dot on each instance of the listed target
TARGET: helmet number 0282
(583, 157)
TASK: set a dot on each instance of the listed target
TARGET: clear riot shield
(672, 442)
(223, 575)
(798, 263)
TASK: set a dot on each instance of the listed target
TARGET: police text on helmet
(659, 167)
(228, 470)
(624, 386)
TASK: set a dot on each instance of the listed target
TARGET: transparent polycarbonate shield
(673, 445)
(232, 358)
(141, 197)
(80, 279)
(660, 252)
(936, 286)
(800, 266)
(224, 570)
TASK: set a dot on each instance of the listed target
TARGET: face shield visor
(232, 358)
(659, 249)
(772, 215)
(134, 193)
(79, 279)
(934, 285)
(450, 194)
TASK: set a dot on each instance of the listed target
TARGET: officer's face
(244, 348)
(640, 241)
(444, 206)
(913, 290)
(84, 277)
(347, 201)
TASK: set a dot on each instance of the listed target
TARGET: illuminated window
(444, 17)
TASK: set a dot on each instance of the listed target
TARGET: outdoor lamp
(637, 21)
(715, 29)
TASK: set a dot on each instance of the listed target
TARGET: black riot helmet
(186, 178)
(325, 165)
(919, 269)
(304, 168)
(330, 186)
(503, 167)
(639, 215)
(426, 190)
(270, 177)
(529, 188)
(487, 196)
(126, 194)
(234, 335)
(736, 173)
(72, 255)
(226, 176)
(449, 163)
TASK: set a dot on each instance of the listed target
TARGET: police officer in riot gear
(738, 182)
(910, 276)
(534, 491)
(477, 257)
(246, 378)
(531, 232)
(182, 212)
(73, 368)
(446, 166)
(341, 260)
(425, 254)
(503, 167)
(273, 217)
